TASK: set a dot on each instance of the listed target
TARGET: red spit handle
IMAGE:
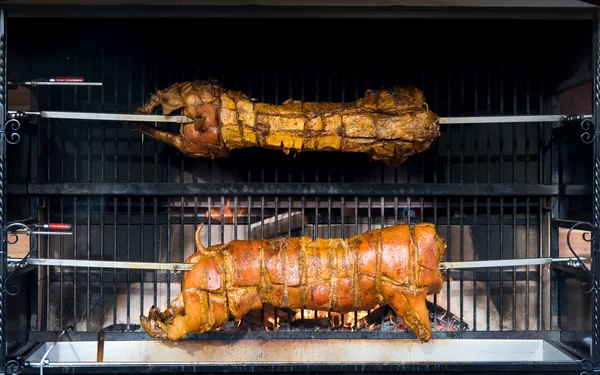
(69, 79)
(59, 226)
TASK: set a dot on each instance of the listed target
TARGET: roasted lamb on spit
(389, 125)
(396, 266)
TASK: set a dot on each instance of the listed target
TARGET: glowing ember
(350, 321)
(377, 319)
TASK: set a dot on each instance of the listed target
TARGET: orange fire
(337, 320)
(227, 213)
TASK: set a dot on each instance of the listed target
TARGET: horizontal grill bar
(295, 12)
(345, 189)
(116, 335)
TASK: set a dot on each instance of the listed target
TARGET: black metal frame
(432, 190)
(3, 248)
(310, 12)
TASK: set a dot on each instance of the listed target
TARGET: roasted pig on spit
(396, 265)
(389, 125)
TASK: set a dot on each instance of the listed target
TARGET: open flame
(227, 213)
(272, 326)
(274, 319)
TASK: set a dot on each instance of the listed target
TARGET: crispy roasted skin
(396, 265)
(388, 124)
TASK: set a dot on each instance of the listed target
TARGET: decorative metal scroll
(12, 367)
(586, 124)
(580, 262)
(20, 264)
(589, 131)
(586, 366)
(14, 125)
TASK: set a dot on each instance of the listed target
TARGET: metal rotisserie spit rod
(177, 267)
(65, 115)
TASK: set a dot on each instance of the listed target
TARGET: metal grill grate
(157, 225)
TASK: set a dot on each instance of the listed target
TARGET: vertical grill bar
(115, 206)
(181, 216)
(48, 220)
(302, 233)
(435, 177)
(303, 199)
(89, 204)
(142, 201)
(75, 231)
(262, 237)
(170, 229)
(355, 233)
(489, 208)
(103, 179)
(316, 225)
(514, 179)
(129, 88)
(475, 180)
(514, 310)
(541, 218)
(182, 201)
(276, 101)
(449, 254)
(501, 201)
(249, 226)
(62, 211)
(289, 218)
(62, 201)
(462, 180)
(449, 179)
(527, 200)
(156, 228)
(276, 222)
(169, 203)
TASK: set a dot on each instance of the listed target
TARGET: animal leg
(171, 138)
(177, 308)
(157, 322)
(412, 308)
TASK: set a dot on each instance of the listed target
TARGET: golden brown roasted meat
(389, 124)
(396, 265)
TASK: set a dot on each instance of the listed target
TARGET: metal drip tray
(311, 351)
